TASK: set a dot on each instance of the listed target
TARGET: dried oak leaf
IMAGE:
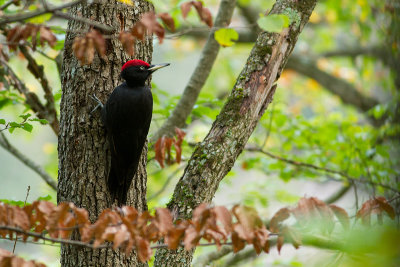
(342, 215)
(279, 217)
(167, 20)
(84, 47)
(143, 249)
(149, 20)
(128, 42)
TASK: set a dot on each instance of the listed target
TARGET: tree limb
(38, 72)
(28, 15)
(199, 75)
(30, 97)
(28, 162)
(217, 153)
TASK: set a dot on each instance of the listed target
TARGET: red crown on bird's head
(135, 62)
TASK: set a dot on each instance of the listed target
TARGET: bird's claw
(98, 101)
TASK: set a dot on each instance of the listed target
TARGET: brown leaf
(168, 144)
(279, 243)
(175, 235)
(248, 217)
(185, 8)
(149, 20)
(84, 47)
(46, 35)
(206, 17)
(342, 215)
(138, 30)
(385, 206)
(237, 243)
(130, 213)
(143, 248)
(279, 217)
(180, 136)
(192, 238)
(167, 20)
(163, 220)
(121, 236)
(223, 215)
(159, 148)
(128, 42)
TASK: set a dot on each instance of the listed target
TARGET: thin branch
(206, 259)
(105, 28)
(327, 170)
(5, 5)
(38, 72)
(30, 97)
(28, 15)
(339, 194)
(199, 75)
(84, 244)
(26, 198)
(28, 162)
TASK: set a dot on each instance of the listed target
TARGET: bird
(126, 117)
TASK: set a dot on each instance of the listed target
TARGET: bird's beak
(153, 68)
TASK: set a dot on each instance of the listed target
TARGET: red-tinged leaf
(279, 217)
(199, 6)
(144, 250)
(180, 135)
(99, 42)
(120, 236)
(168, 145)
(129, 246)
(86, 233)
(365, 212)
(178, 151)
(185, 8)
(149, 20)
(237, 243)
(82, 216)
(69, 222)
(128, 42)
(191, 239)
(223, 215)
(242, 233)
(206, 17)
(46, 35)
(342, 215)
(159, 148)
(248, 217)
(130, 213)
(279, 243)
(167, 20)
(139, 30)
(174, 237)
(163, 220)
(385, 206)
(19, 218)
(57, 216)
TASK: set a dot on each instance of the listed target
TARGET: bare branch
(199, 75)
(318, 168)
(31, 98)
(206, 259)
(28, 15)
(28, 162)
(38, 72)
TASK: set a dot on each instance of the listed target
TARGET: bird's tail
(117, 185)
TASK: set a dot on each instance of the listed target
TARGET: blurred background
(332, 130)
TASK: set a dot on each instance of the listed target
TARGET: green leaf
(15, 124)
(25, 116)
(274, 22)
(46, 198)
(225, 36)
(27, 127)
(40, 19)
(42, 121)
(2, 121)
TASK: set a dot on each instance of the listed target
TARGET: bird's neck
(135, 83)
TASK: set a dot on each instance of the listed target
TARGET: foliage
(126, 229)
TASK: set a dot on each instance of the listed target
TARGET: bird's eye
(142, 68)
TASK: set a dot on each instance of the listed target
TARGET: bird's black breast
(127, 116)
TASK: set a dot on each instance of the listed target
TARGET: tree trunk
(254, 89)
(83, 150)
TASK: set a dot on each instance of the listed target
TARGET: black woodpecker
(126, 117)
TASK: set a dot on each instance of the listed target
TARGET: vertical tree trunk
(82, 148)
(254, 89)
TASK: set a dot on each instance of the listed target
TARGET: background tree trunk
(216, 154)
(82, 148)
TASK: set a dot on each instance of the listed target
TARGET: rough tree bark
(82, 148)
(254, 89)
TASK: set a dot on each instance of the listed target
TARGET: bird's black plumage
(126, 117)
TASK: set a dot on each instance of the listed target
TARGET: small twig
(28, 15)
(7, 4)
(327, 170)
(101, 26)
(28, 162)
(26, 198)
